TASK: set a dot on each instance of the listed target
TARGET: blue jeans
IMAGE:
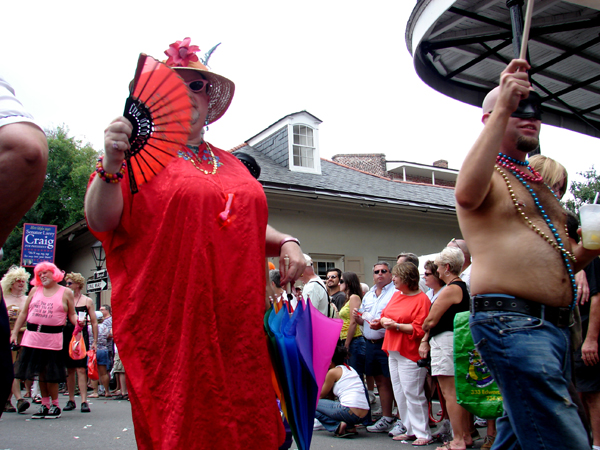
(530, 360)
(357, 355)
(330, 413)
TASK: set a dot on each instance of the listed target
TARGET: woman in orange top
(403, 318)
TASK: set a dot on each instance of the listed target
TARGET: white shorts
(442, 354)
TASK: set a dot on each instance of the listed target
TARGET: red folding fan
(160, 110)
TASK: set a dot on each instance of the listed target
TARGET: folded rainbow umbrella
(301, 347)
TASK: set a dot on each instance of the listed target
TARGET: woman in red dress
(190, 337)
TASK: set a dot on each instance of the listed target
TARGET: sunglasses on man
(383, 271)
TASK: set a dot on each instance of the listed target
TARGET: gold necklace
(528, 221)
(193, 157)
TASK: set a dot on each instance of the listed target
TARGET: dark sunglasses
(69, 283)
(427, 274)
(331, 276)
(199, 85)
(529, 108)
(377, 272)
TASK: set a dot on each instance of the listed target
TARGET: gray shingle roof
(341, 181)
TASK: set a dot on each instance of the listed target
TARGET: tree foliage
(584, 191)
(60, 203)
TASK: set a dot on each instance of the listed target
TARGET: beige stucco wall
(338, 227)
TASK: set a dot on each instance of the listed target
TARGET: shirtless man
(523, 276)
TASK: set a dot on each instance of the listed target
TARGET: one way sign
(97, 286)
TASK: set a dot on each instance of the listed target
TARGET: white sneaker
(480, 423)
(398, 429)
(381, 426)
(318, 425)
(443, 428)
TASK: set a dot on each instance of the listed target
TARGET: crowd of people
(42, 326)
(398, 325)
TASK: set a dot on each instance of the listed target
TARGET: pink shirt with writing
(45, 311)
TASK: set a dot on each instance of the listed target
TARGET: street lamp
(98, 254)
(99, 258)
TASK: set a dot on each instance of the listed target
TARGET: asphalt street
(109, 426)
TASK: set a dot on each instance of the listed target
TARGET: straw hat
(182, 56)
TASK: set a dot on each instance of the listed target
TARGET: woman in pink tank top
(45, 311)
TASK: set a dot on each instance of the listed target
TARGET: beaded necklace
(511, 163)
(207, 155)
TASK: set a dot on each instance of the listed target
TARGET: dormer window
(292, 141)
(304, 147)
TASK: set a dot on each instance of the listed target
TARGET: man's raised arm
(474, 179)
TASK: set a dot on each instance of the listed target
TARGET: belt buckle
(564, 317)
(39, 328)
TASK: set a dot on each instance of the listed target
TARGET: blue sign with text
(39, 244)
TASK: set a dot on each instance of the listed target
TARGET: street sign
(38, 244)
(100, 274)
(97, 286)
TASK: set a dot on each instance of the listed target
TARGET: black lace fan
(160, 110)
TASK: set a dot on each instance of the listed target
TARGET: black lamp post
(99, 258)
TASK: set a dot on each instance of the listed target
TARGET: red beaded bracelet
(110, 177)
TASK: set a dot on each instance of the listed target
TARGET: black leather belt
(44, 328)
(561, 317)
(375, 341)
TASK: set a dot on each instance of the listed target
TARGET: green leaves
(584, 192)
(60, 203)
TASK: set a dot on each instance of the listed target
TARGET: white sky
(345, 62)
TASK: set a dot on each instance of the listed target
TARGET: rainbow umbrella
(300, 366)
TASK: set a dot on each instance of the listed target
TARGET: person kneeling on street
(352, 405)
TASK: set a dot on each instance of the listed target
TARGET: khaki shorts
(442, 354)
(118, 367)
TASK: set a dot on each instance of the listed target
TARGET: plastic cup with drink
(590, 225)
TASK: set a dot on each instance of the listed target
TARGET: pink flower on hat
(181, 53)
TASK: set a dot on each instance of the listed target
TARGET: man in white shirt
(314, 287)
(376, 363)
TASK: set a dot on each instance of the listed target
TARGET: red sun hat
(182, 56)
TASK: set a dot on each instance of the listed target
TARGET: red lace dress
(188, 305)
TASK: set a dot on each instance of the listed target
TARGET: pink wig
(57, 274)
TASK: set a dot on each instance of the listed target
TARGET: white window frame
(307, 152)
(304, 120)
(336, 261)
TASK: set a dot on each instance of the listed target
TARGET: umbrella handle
(286, 262)
(526, 28)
